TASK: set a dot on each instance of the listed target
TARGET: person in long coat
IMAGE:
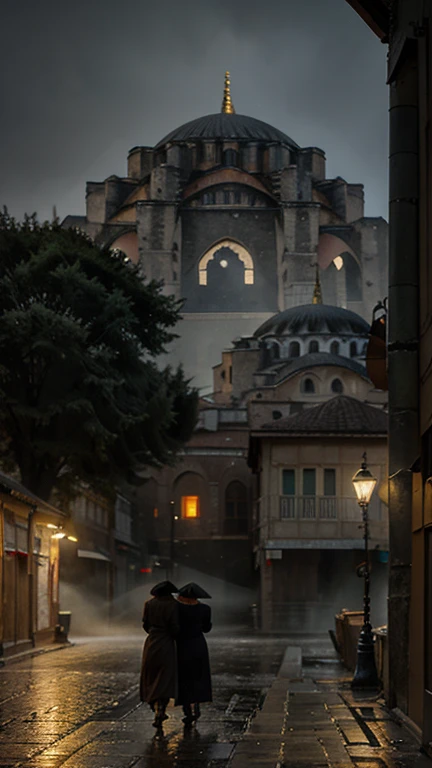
(194, 678)
(158, 681)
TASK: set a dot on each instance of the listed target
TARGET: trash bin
(64, 620)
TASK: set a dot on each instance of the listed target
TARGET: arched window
(294, 349)
(190, 493)
(308, 386)
(208, 198)
(353, 349)
(222, 255)
(313, 347)
(230, 157)
(334, 348)
(337, 386)
(236, 509)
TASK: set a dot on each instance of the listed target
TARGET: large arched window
(215, 256)
(308, 386)
(313, 347)
(190, 496)
(294, 349)
(236, 509)
(334, 348)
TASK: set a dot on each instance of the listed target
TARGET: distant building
(233, 215)
(209, 515)
(308, 533)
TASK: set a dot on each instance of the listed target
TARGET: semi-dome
(228, 127)
(313, 318)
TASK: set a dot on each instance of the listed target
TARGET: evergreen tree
(81, 397)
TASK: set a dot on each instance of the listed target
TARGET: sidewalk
(312, 719)
(37, 651)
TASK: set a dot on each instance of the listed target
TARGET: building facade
(234, 216)
(29, 568)
(308, 539)
(406, 26)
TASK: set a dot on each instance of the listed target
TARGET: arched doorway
(236, 509)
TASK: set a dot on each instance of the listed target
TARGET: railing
(323, 508)
(274, 514)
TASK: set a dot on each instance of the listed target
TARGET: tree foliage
(81, 395)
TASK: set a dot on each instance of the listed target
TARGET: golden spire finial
(227, 105)
(317, 295)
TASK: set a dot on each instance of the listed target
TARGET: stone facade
(233, 216)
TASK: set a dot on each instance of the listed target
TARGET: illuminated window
(190, 506)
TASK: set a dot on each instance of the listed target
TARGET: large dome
(227, 127)
(313, 318)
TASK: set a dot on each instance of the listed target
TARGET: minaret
(227, 105)
(317, 295)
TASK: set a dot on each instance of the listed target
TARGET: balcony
(317, 518)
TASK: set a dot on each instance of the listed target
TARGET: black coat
(159, 668)
(194, 680)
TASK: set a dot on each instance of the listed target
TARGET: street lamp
(365, 675)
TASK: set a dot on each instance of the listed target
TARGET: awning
(91, 555)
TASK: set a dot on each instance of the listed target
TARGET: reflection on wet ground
(79, 707)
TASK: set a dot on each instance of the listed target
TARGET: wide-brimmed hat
(163, 589)
(193, 590)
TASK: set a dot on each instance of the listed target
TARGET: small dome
(313, 318)
(225, 126)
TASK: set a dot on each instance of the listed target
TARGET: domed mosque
(236, 218)
(298, 358)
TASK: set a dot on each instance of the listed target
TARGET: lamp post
(173, 518)
(365, 675)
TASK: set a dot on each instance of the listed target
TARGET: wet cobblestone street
(79, 707)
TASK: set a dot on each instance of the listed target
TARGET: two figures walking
(175, 661)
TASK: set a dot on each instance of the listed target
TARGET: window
(288, 482)
(294, 349)
(313, 347)
(353, 349)
(308, 386)
(334, 348)
(230, 374)
(190, 506)
(309, 482)
(237, 197)
(337, 386)
(276, 415)
(226, 197)
(230, 157)
(329, 482)
(307, 508)
(208, 198)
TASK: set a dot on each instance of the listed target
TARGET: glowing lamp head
(72, 538)
(364, 483)
(58, 535)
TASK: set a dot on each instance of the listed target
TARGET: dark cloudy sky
(83, 81)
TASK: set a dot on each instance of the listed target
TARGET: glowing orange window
(190, 506)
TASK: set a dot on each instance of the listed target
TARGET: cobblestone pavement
(79, 707)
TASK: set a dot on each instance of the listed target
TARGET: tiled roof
(227, 126)
(313, 318)
(340, 415)
(314, 360)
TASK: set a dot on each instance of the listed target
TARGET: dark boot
(160, 713)
(197, 712)
(188, 717)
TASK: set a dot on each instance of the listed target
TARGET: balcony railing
(324, 508)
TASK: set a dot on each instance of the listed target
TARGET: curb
(16, 657)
